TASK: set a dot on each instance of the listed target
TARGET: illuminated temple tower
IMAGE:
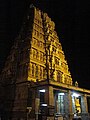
(36, 82)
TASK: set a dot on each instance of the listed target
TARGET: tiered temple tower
(47, 59)
(36, 79)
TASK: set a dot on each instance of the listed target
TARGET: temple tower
(36, 78)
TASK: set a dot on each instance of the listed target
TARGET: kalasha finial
(76, 84)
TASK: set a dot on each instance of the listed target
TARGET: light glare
(43, 90)
(44, 104)
(75, 95)
(61, 94)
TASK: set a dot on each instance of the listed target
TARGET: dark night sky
(72, 25)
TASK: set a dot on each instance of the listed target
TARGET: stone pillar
(73, 105)
(56, 103)
(50, 103)
(84, 104)
(84, 108)
(51, 96)
(57, 107)
(68, 105)
(37, 103)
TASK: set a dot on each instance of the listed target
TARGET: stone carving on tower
(47, 59)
